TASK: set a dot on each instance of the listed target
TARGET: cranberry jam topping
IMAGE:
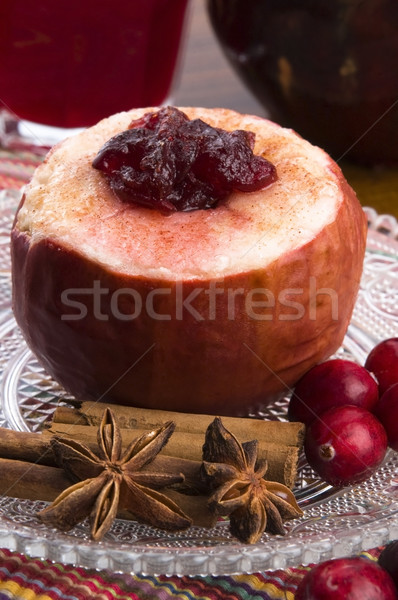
(169, 162)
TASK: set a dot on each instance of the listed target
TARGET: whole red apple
(353, 578)
(214, 311)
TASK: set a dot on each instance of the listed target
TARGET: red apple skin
(216, 365)
(353, 578)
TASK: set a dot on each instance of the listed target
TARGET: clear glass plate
(335, 522)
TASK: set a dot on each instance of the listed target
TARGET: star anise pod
(112, 479)
(235, 475)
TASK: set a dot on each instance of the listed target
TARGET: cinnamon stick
(36, 448)
(90, 413)
(279, 443)
(26, 446)
(33, 481)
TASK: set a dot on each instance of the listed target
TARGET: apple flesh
(215, 311)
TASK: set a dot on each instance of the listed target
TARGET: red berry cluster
(350, 413)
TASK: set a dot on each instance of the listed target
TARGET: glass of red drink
(66, 64)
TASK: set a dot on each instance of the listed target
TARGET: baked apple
(215, 310)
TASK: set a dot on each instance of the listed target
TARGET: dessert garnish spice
(113, 479)
(239, 490)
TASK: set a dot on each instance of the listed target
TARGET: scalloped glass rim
(335, 523)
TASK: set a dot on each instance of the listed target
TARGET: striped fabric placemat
(22, 578)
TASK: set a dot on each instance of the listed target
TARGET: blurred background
(207, 79)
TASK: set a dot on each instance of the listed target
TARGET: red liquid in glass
(69, 63)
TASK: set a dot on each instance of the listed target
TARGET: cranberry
(387, 413)
(382, 361)
(353, 578)
(332, 383)
(388, 559)
(169, 162)
(345, 445)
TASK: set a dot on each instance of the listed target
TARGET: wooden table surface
(207, 79)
